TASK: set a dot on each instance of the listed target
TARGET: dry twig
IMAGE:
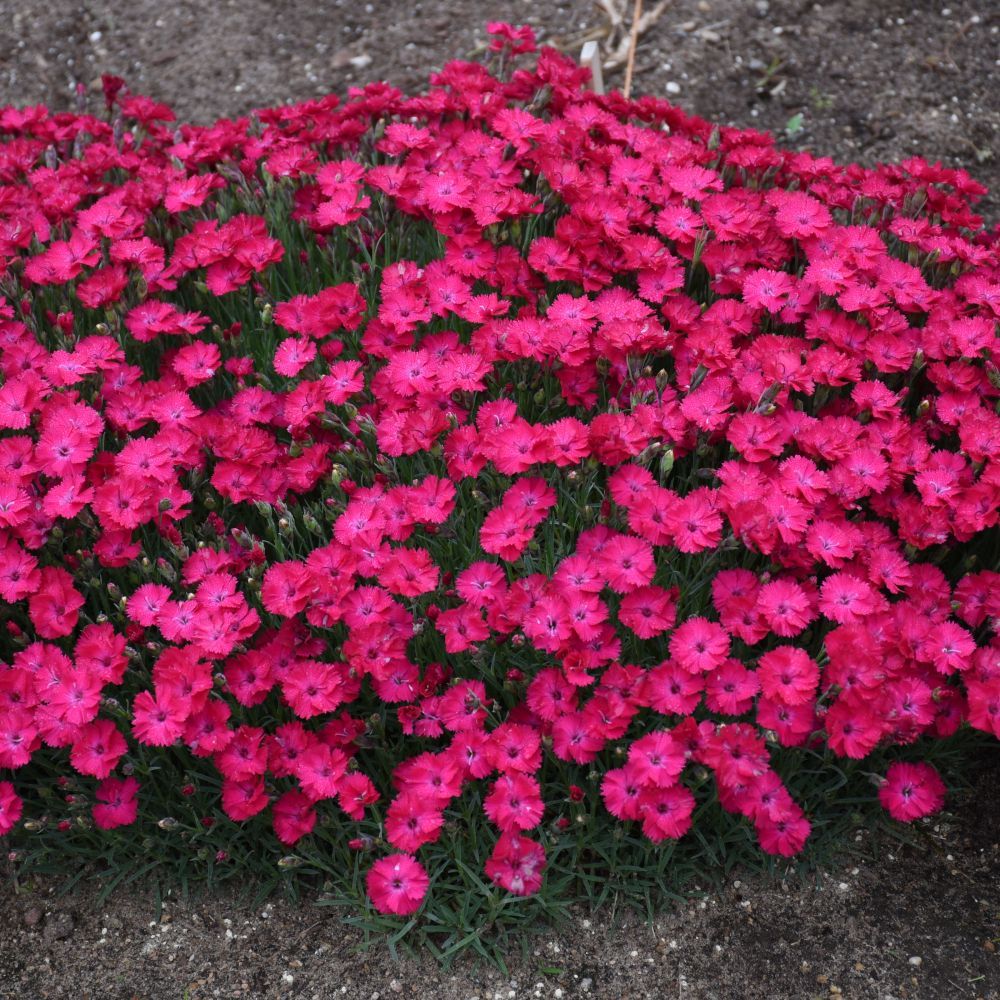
(613, 32)
(633, 41)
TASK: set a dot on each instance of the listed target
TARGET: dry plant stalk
(615, 35)
(632, 43)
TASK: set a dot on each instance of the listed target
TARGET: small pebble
(916, 960)
(58, 927)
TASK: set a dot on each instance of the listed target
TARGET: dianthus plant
(505, 444)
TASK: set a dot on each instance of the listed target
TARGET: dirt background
(872, 80)
(908, 923)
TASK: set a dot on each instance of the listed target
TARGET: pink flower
(98, 749)
(117, 802)
(666, 812)
(699, 645)
(622, 793)
(784, 834)
(789, 675)
(157, 720)
(397, 884)
(243, 798)
(911, 791)
(294, 817)
(515, 803)
(649, 611)
(11, 807)
(656, 760)
(412, 821)
(516, 864)
(292, 355)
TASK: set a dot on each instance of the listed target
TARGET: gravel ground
(909, 924)
(872, 80)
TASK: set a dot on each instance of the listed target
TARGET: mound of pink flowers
(505, 437)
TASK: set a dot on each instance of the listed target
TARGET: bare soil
(897, 923)
(872, 80)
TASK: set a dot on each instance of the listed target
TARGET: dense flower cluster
(537, 432)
